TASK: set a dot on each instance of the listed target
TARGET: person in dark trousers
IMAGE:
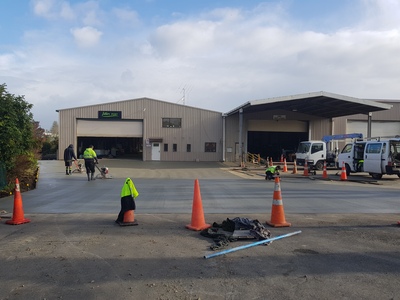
(69, 155)
(270, 172)
(128, 195)
(90, 158)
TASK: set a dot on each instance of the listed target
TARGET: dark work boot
(92, 177)
(70, 172)
(88, 177)
(66, 172)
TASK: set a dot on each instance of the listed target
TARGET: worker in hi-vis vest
(128, 195)
(90, 158)
(271, 171)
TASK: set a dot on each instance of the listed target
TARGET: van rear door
(374, 157)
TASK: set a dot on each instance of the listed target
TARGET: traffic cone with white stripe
(294, 167)
(325, 173)
(284, 165)
(343, 176)
(305, 173)
(277, 212)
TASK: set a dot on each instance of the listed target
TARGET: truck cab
(312, 151)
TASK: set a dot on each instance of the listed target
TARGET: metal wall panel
(198, 127)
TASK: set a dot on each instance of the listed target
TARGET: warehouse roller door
(114, 139)
(109, 128)
(274, 138)
(378, 128)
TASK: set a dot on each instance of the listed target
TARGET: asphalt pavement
(66, 254)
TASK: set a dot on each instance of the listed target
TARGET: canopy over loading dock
(316, 110)
(320, 104)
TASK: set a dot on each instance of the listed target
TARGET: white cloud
(126, 16)
(381, 14)
(86, 37)
(67, 11)
(228, 55)
(43, 8)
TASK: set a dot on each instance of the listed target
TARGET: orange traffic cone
(198, 221)
(284, 165)
(343, 176)
(277, 213)
(324, 173)
(18, 211)
(282, 158)
(294, 167)
(129, 219)
(305, 173)
(270, 162)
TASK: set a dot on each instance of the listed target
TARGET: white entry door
(155, 151)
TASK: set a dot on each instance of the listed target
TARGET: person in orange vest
(271, 171)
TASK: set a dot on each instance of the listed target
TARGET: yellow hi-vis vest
(129, 189)
(89, 153)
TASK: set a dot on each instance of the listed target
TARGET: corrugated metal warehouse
(145, 129)
(149, 129)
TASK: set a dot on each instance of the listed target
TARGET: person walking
(90, 158)
(271, 171)
(69, 155)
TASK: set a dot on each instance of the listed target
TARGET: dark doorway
(274, 144)
(113, 147)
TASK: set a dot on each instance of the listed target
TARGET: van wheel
(376, 176)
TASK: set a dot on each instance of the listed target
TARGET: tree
(16, 127)
(54, 129)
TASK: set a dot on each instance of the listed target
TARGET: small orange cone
(324, 173)
(282, 158)
(18, 211)
(198, 220)
(129, 219)
(270, 162)
(343, 176)
(277, 213)
(294, 167)
(305, 173)
(284, 165)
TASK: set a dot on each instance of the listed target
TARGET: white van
(376, 157)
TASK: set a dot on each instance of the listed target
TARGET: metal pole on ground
(251, 245)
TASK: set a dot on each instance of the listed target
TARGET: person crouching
(271, 171)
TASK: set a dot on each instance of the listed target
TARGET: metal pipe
(240, 136)
(251, 245)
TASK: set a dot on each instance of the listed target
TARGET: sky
(210, 54)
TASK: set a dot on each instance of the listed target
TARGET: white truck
(316, 152)
(375, 156)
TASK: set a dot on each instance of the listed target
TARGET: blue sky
(214, 55)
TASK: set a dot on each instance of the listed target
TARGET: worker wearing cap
(271, 171)
(90, 158)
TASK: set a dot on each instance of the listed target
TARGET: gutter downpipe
(223, 137)
(240, 136)
(369, 126)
